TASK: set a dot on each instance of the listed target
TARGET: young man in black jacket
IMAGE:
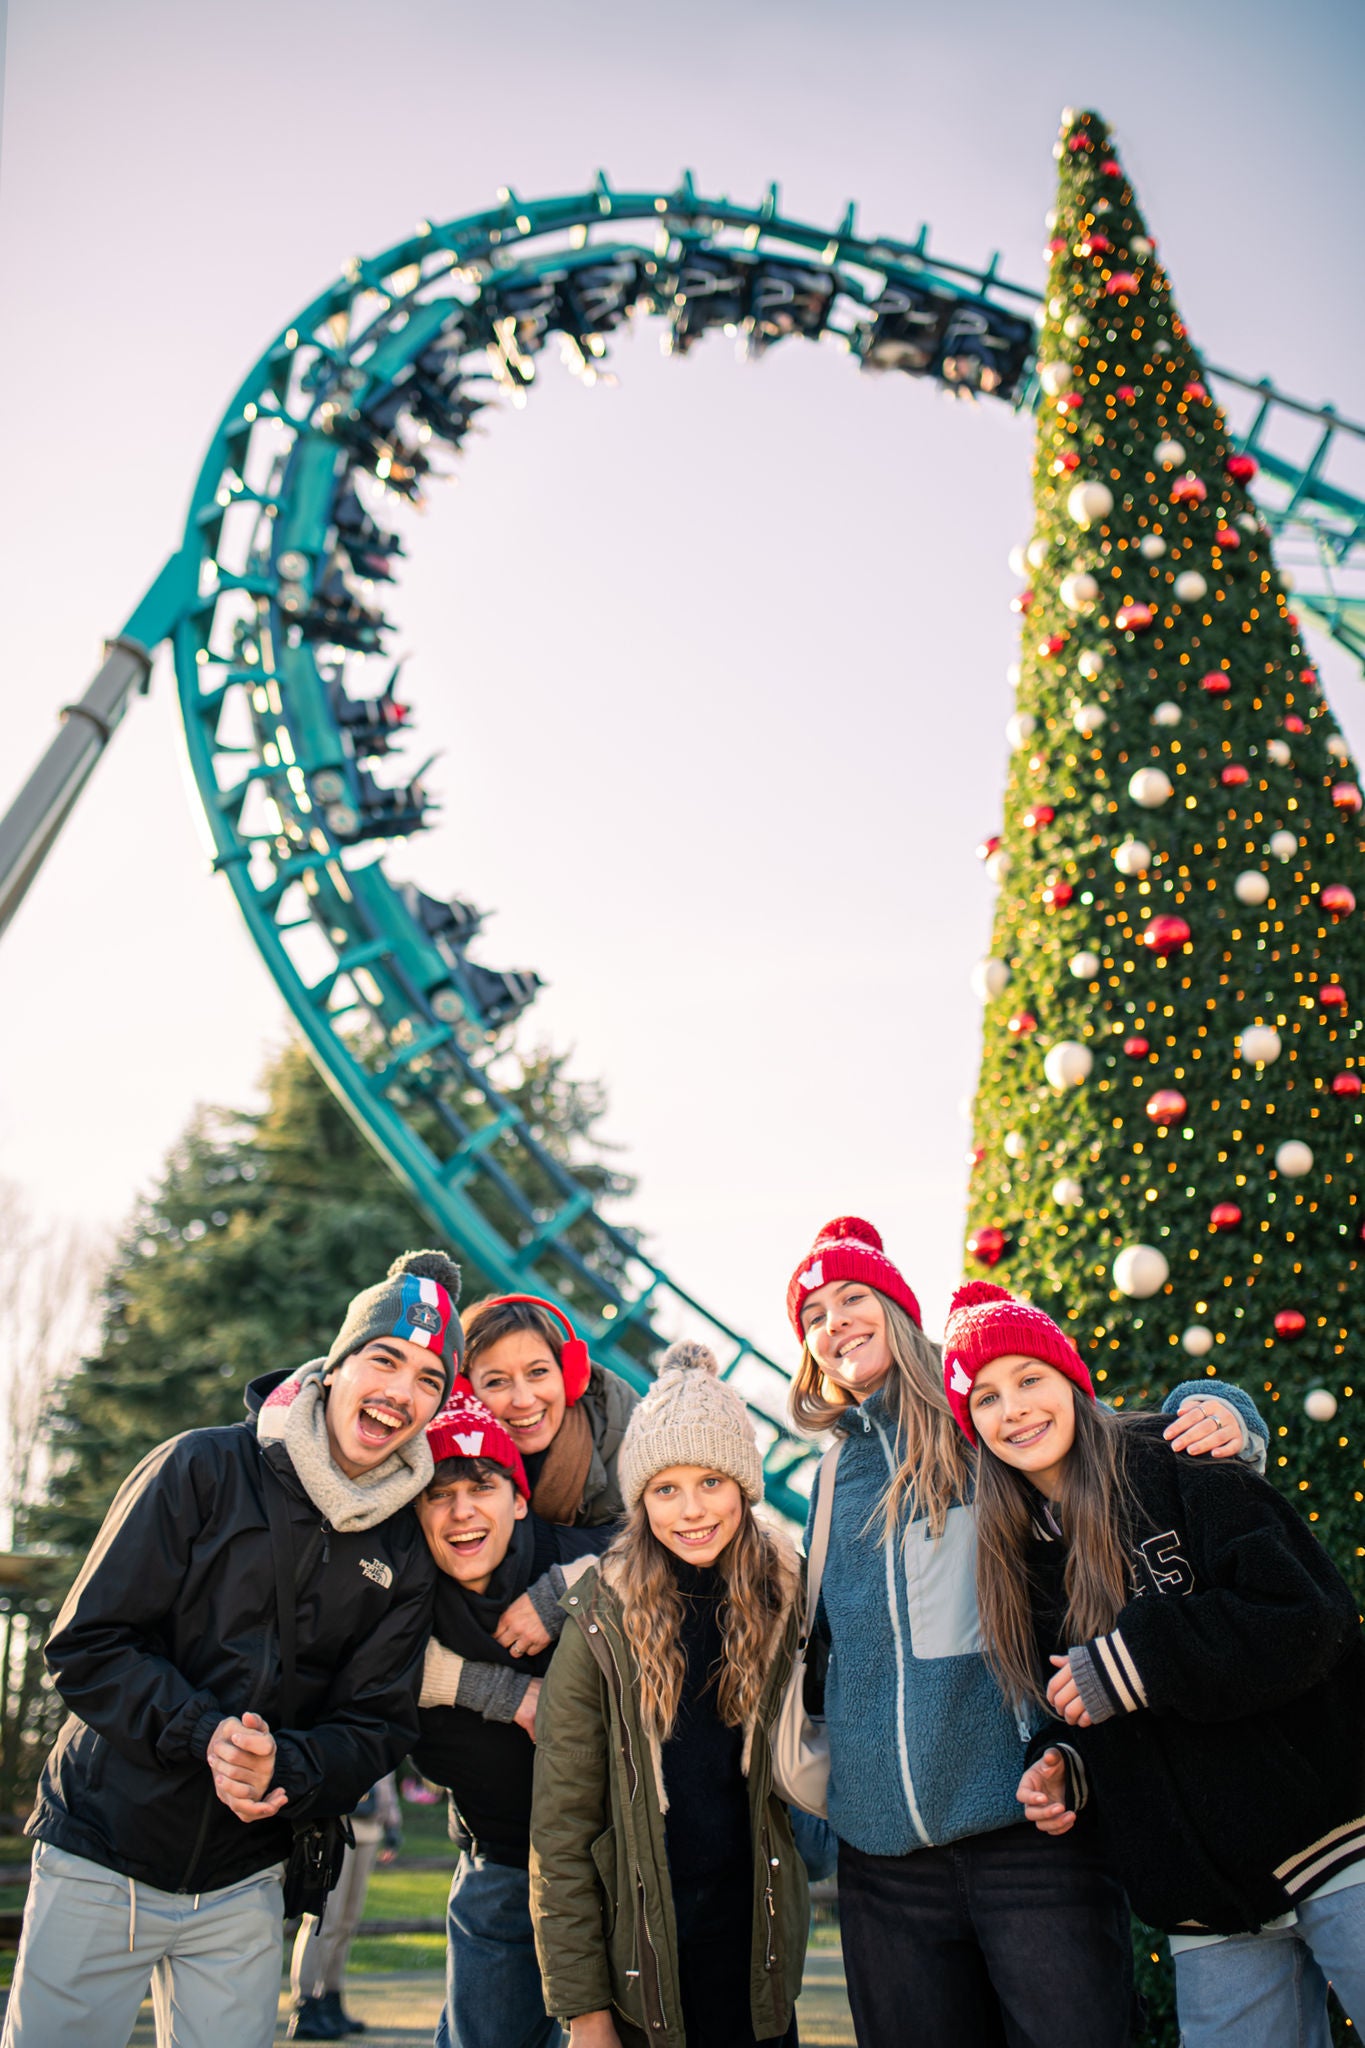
(167, 1809)
(489, 1548)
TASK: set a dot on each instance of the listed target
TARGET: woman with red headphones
(567, 1416)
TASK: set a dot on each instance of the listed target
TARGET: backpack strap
(819, 1537)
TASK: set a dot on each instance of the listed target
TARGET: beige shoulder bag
(800, 1745)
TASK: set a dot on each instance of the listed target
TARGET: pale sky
(717, 657)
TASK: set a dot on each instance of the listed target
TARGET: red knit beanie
(849, 1249)
(464, 1428)
(987, 1322)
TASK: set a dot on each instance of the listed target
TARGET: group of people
(1065, 1660)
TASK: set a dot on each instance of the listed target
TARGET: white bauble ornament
(1161, 347)
(1139, 247)
(1020, 729)
(1293, 1159)
(1078, 591)
(1036, 552)
(1018, 562)
(1319, 1404)
(1167, 714)
(1190, 586)
(1140, 1270)
(1259, 1044)
(1133, 857)
(1056, 306)
(1074, 326)
(1014, 1144)
(989, 978)
(1285, 579)
(1055, 377)
(1338, 748)
(1088, 503)
(1167, 454)
(1251, 887)
(1150, 787)
(1284, 845)
(1090, 664)
(1088, 718)
(1068, 1064)
(1085, 966)
(1248, 522)
(1050, 219)
(1067, 1193)
(998, 865)
(1013, 675)
(1151, 547)
(1197, 1340)
(1278, 752)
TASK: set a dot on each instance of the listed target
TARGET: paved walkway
(400, 2007)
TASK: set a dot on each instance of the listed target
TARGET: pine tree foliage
(243, 1259)
(1165, 703)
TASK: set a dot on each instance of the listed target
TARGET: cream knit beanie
(689, 1417)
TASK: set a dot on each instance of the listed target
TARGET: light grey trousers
(94, 1940)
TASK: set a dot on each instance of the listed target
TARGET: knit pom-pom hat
(849, 1249)
(689, 1417)
(987, 1322)
(415, 1300)
(464, 1428)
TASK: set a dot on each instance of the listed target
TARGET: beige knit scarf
(295, 1415)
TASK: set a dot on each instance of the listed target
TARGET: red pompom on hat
(464, 1428)
(987, 1322)
(849, 1249)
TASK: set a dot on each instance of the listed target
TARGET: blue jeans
(1011, 1939)
(1268, 1990)
(493, 1994)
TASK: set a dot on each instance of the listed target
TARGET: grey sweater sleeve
(493, 1690)
(545, 1595)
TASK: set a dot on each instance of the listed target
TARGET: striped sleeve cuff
(1107, 1679)
(1077, 1784)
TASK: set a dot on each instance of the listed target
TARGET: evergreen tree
(1168, 1143)
(243, 1259)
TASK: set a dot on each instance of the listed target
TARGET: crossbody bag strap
(819, 1537)
(282, 1554)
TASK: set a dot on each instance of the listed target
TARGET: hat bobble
(689, 1417)
(986, 1322)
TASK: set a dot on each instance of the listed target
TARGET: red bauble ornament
(1021, 1023)
(1056, 245)
(1070, 460)
(1167, 1106)
(1053, 644)
(1057, 895)
(1038, 815)
(1188, 490)
(1346, 1084)
(1337, 898)
(1241, 468)
(1133, 618)
(1195, 391)
(1094, 244)
(1121, 285)
(1216, 683)
(1289, 1323)
(1227, 538)
(988, 846)
(1332, 996)
(1070, 401)
(1137, 1047)
(1021, 601)
(1346, 796)
(1234, 775)
(1293, 723)
(1079, 144)
(1127, 392)
(988, 1245)
(1165, 935)
(1225, 1215)
(1308, 675)
(1110, 168)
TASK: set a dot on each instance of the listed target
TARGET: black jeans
(1013, 1939)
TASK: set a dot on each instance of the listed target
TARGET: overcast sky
(716, 657)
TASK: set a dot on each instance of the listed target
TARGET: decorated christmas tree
(1168, 1143)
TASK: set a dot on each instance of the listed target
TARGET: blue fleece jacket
(923, 1747)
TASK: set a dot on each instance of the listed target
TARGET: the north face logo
(423, 1316)
(376, 1569)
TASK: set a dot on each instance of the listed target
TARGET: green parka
(600, 1896)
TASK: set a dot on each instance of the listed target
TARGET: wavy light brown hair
(1095, 1508)
(486, 1323)
(638, 1568)
(934, 1460)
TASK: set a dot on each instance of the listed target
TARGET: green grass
(398, 1952)
(408, 1894)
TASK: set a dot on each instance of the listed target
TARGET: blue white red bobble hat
(416, 1301)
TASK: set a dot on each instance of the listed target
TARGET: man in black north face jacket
(167, 1808)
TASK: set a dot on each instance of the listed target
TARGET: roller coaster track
(273, 608)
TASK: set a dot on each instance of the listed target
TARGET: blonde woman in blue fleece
(959, 1924)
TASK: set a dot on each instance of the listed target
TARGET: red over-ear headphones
(574, 1362)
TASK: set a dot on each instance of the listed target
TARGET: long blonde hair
(638, 1569)
(933, 1459)
(1094, 1507)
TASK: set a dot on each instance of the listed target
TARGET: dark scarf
(464, 1621)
